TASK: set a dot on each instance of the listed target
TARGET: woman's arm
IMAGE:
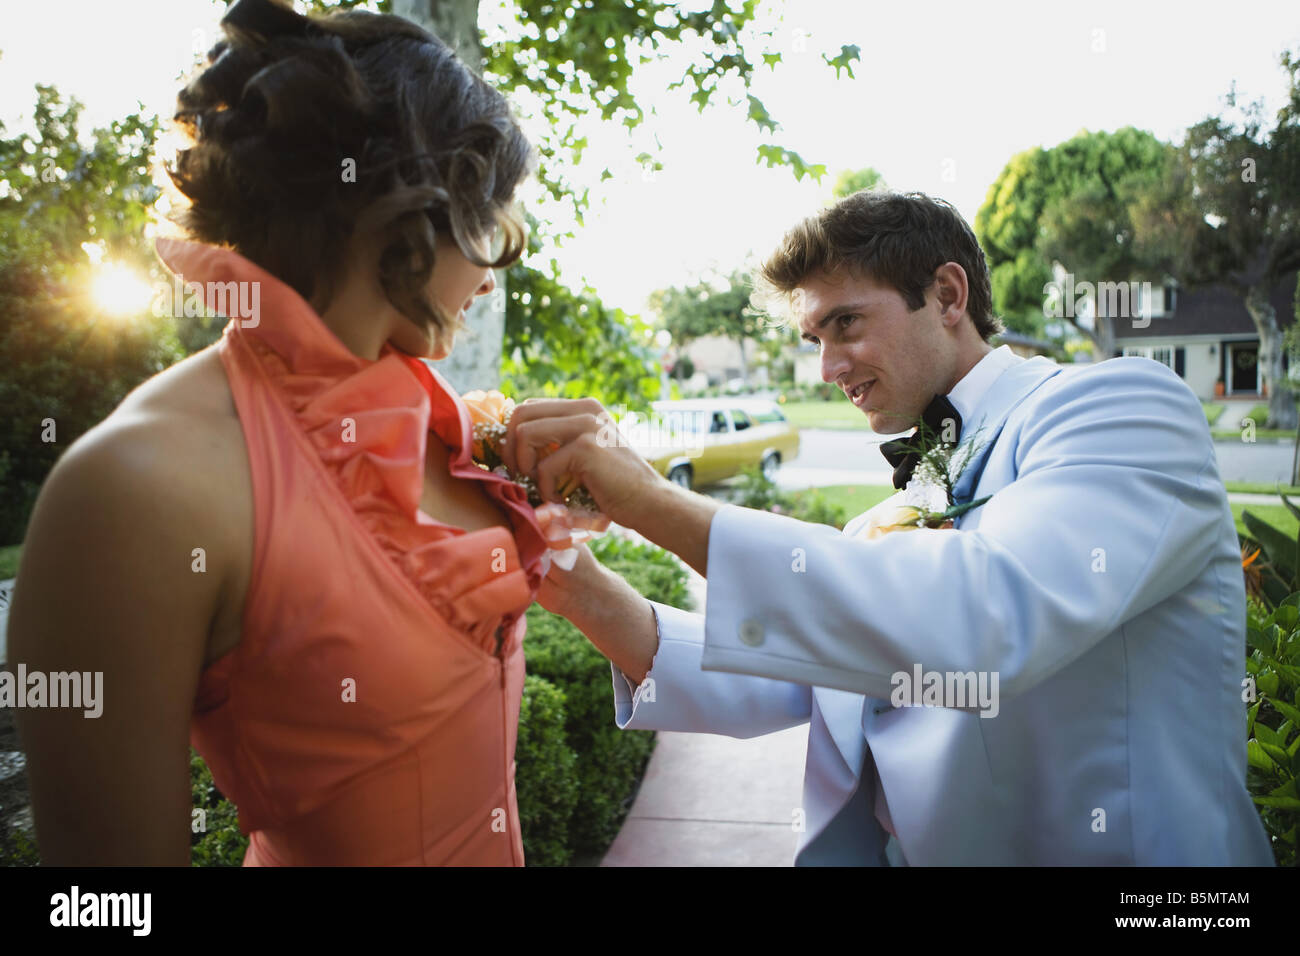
(109, 584)
(606, 609)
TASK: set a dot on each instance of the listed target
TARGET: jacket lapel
(1012, 387)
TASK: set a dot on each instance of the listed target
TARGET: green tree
(569, 62)
(584, 348)
(1227, 211)
(1068, 205)
(716, 308)
(65, 362)
(850, 181)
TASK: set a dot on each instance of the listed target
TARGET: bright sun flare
(119, 291)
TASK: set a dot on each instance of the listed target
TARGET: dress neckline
(368, 421)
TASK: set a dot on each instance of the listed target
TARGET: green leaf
(759, 116)
(1280, 803)
(1278, 754)
(849, 53)
(1257, 758)
(1266, 734)
(956, 511)
(1292, 714)
(1279, 549)
(1286, 790)
(1250, 718)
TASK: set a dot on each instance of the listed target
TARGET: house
(717, 360)
(1205, 335)
(1023, 345)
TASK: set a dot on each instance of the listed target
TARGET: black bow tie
(904, 453)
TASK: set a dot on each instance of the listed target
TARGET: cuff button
(751, 632)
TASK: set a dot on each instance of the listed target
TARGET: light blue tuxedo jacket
(1101, 582)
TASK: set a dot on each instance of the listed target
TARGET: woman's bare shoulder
(174, 441)
(194, 391)
(183, 418)
(131, 510)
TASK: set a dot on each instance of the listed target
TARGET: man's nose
(834, 365)
(489, 283)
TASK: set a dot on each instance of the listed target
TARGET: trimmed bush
(754, 490)
(544, 775)
(609, 761)
(220, 843)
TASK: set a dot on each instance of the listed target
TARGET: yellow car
(700, 441)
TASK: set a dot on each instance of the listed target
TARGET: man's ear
(953, 291)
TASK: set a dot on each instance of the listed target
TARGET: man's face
(889, 361)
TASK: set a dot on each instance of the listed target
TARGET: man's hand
(567, 443)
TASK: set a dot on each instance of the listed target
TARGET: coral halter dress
(369, 714)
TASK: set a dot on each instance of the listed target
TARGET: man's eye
(847, 320)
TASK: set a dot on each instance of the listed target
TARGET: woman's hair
(899, 239)
(308, 131)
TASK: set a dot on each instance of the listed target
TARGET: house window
(1164, 354)
(1171, 296)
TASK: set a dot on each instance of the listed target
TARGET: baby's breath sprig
(940, 466)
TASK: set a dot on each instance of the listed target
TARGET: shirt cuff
(627, 694)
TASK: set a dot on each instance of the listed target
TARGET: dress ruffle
(368, 422)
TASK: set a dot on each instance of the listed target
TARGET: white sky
(944, 95)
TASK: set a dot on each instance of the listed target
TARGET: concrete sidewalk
(709, 800)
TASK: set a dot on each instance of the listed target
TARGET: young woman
(279, 549)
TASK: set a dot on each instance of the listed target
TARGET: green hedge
(544, 774)
(215, 839)
(608, 761)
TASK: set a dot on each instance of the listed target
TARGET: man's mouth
(858, 393)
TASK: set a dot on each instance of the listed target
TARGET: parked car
(700, 441)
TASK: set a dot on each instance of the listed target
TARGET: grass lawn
(855, 499)
(1259, 488)
(1260, 433)
(833, 414)
(9, 561)
(1259, 415)
(1212, 411)
(1276, 515)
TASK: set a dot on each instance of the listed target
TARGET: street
(829, 457)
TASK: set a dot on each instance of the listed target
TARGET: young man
(1077, 640)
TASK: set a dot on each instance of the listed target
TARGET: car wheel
(681, 475)
(771, 463)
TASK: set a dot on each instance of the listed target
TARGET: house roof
(1015, 338)
(1213, 310)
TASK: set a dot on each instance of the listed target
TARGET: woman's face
(455, 284)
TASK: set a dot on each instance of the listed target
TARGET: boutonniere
(928, 500)
(563, 524)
